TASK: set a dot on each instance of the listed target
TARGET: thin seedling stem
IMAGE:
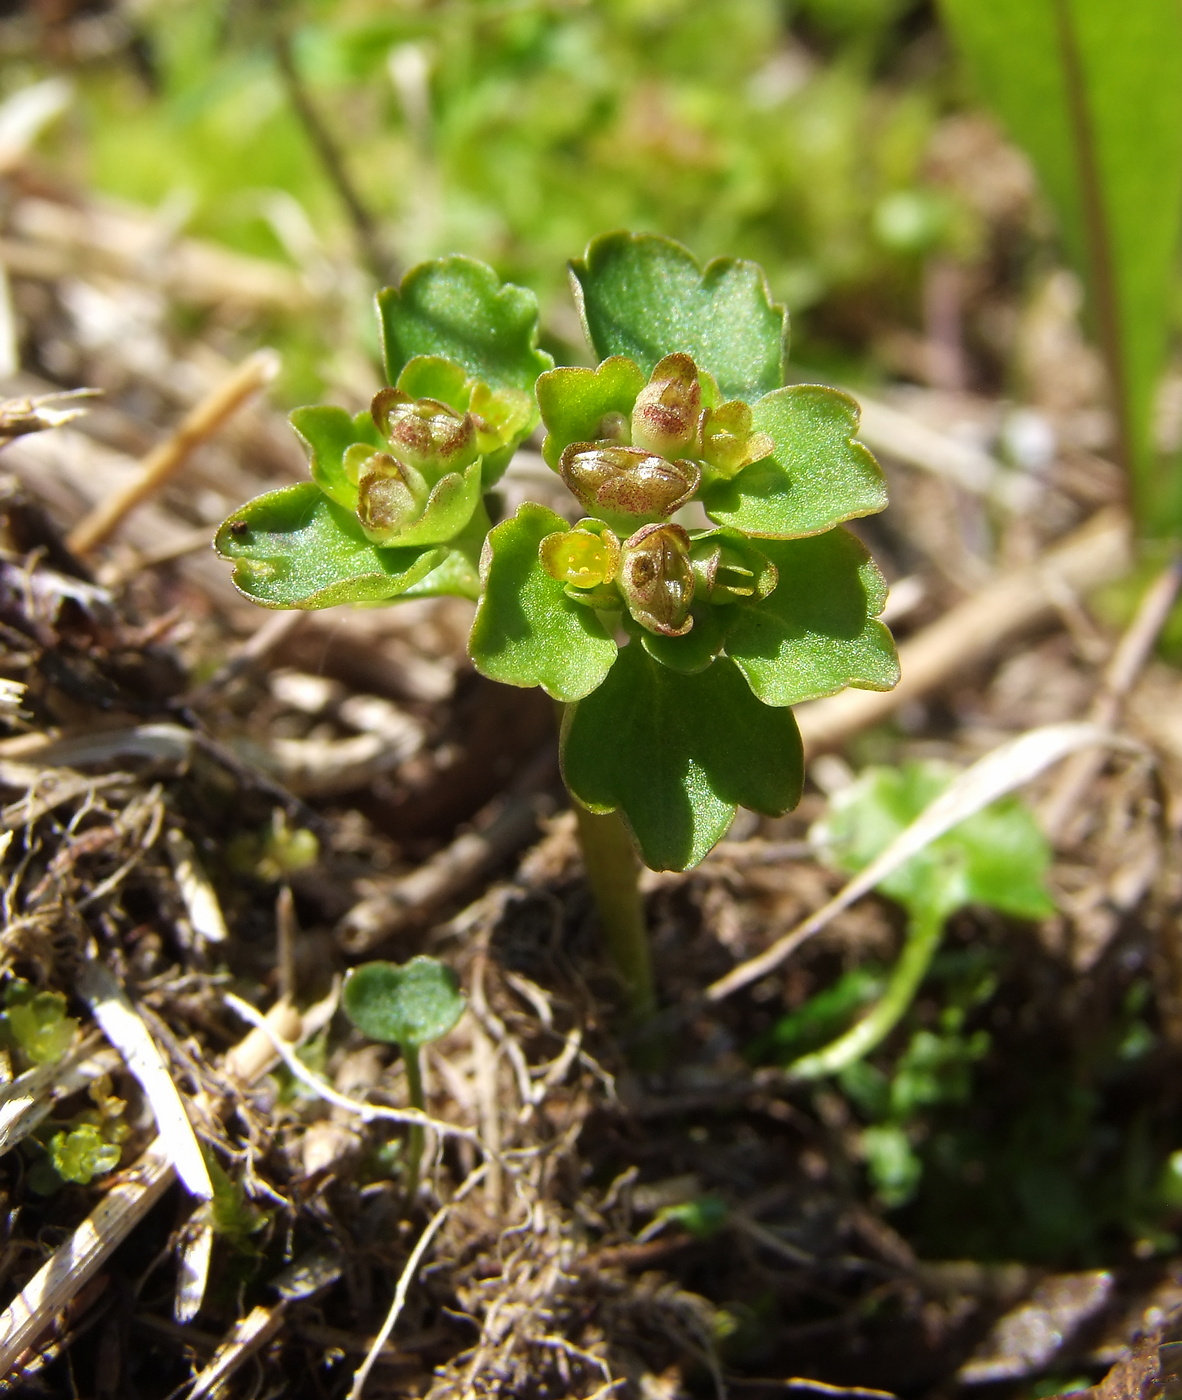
(416, 1138)
(923, 938)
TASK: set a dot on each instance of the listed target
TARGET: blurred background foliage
(804, 135)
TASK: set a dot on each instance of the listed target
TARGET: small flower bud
(626, 480)
(727, 572)
(390, 496)
(665, 417)
(728, 444)
(613, 427)
(656, 579)
(581, 558)
(425, 433)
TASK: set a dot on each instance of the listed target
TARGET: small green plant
(706, 587)
(89, 1145)
(37, 1023)
(407, 1006)
(997, 858)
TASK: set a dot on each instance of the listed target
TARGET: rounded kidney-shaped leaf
(408, 1005)
(646, 297)
(296, 548)
(816, 476)
(677, 753)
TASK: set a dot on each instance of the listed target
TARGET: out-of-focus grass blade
(1092, 90)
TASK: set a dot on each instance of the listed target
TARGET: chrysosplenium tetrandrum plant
(707, 585)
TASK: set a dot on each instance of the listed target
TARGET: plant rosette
(678, 650)
(723, 629)
(395, 505)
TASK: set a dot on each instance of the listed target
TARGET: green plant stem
(612, 867)
(416, 1138)
(923, 938)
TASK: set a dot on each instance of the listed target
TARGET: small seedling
(678, 648)
(89, 1145)
(408, 1006)
(997, 858)
(37, 1022)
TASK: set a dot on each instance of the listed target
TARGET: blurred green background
(804, 135)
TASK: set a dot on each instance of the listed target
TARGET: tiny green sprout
(82, 1153)
(89, 1145)
(277, 852)
(230, 1213)
(702, 1217)
(997, 858)
(408, 1006)
(38, 1023)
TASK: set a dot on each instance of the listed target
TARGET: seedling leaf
(408, 1005)
(998, 857)
(646, 297)
(677, 753)
(297, 548)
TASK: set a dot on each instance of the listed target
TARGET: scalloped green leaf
(297, 548)
(458, 308)
(409, 1005)
(676, 754)
(574, 402)
(645, 296)
(816, 477)
(816, 632)
(328, 433)
(527, 631)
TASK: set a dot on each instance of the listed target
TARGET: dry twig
(195, 428)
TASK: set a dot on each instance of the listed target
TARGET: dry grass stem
(1062, 809)
(1006, 768)
(195, 428)
(971, 631)
(127, 1031)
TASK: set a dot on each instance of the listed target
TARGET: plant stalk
(612, 867)
(416, 1138)
(923, 938)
